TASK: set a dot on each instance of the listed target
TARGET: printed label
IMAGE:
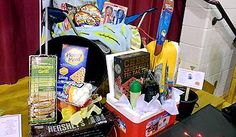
(157, 124)
(74, 56)
(190, 78)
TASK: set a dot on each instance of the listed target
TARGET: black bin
(186, 107)
(96, 70)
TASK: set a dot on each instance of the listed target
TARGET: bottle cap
(135, 86)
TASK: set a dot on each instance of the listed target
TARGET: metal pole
(40, 9)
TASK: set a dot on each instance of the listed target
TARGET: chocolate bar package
(127, 68)
(95, 126)
(72, 67)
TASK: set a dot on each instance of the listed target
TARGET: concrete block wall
(209, 48)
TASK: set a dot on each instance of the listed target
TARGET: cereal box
(127, 68)
(72, 67)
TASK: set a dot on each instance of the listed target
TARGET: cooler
(128, 125)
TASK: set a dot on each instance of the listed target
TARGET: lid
(135, 86)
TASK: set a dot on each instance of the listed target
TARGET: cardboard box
(127, 68)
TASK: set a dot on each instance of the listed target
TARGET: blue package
(163, 27)
(72, 67)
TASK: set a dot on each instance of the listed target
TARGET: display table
(13, 100)
(208, 122)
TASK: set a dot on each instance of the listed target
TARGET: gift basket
(64, 84)
(91, 43)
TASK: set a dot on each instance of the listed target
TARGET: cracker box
(127, 68)
(72, 67)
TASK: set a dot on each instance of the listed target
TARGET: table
(208, 122)
(13, 100)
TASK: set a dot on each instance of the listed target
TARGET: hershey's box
(97, 125)
(129, 67)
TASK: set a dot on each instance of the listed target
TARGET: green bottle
(135, 92)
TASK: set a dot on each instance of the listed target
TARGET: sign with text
(190, 78)
(10, 126)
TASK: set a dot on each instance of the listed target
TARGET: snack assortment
(42, 92)
(72, 67)
(127, 68)
(77, 101)
(76, 94)
(113, 13)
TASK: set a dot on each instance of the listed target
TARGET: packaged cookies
(72, 67)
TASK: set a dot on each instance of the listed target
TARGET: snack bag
(82, 12)
(88, 15)
(72, 67)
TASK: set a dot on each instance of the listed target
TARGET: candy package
(97, 125)
(82, 12)
(88, 15)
